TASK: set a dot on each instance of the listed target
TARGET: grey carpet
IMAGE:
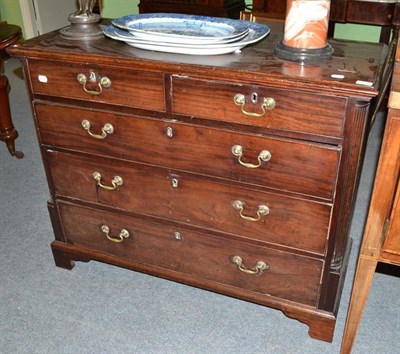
(97, 308)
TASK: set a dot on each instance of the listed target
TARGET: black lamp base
(303, 55)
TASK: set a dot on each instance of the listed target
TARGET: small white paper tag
(337, 76)
(42, 78)
(365, 83)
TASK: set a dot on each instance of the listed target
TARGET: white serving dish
(255, 34)
(180, 28)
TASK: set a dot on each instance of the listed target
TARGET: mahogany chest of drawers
(232, 173)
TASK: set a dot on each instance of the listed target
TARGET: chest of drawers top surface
(355, 65)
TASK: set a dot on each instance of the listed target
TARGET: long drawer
(294, 166)
(292, 111)
(281, 274)
(106, 85)
(189, 199)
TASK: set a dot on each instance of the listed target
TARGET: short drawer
(287, 276)
(126, 88)
(192, 200)
(291, 165)
(293, 111)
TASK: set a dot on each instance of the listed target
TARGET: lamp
(306, 29)
(84, 23)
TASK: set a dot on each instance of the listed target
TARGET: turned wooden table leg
(7, 132)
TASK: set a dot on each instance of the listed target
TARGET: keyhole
(177, 235)
(175, 183)
(170, 132)
(92, 77)
(254, 97)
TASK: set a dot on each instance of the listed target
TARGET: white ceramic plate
(255, 34)
(126, 35)
(180, 28)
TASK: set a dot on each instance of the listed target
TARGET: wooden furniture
(218, 8)
(9, 34)
(276, 25)
(378, 13)
(381, 240)
(276, 8)
(233, 173)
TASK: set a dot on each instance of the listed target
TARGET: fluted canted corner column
(306, 31)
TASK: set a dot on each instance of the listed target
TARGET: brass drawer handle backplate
(121, 236)
(262, 210)
(263, 156)
(268, 104)
(107, 129)
(116, 181)
(257, 270)
(94, 79)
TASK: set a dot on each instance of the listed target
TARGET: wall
(357, 32)
(11, 12)
(118, 8)
(53, 14)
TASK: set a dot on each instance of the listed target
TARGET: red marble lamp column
(306, 29)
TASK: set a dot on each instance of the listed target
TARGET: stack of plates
(185, 34)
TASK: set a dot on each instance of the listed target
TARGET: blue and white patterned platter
(160, 40)
(255, 34)
(180, 28)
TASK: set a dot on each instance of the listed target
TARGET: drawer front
(127, 88)
(294, 166)
(293, 111)
(287, 276)
(192, 200)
